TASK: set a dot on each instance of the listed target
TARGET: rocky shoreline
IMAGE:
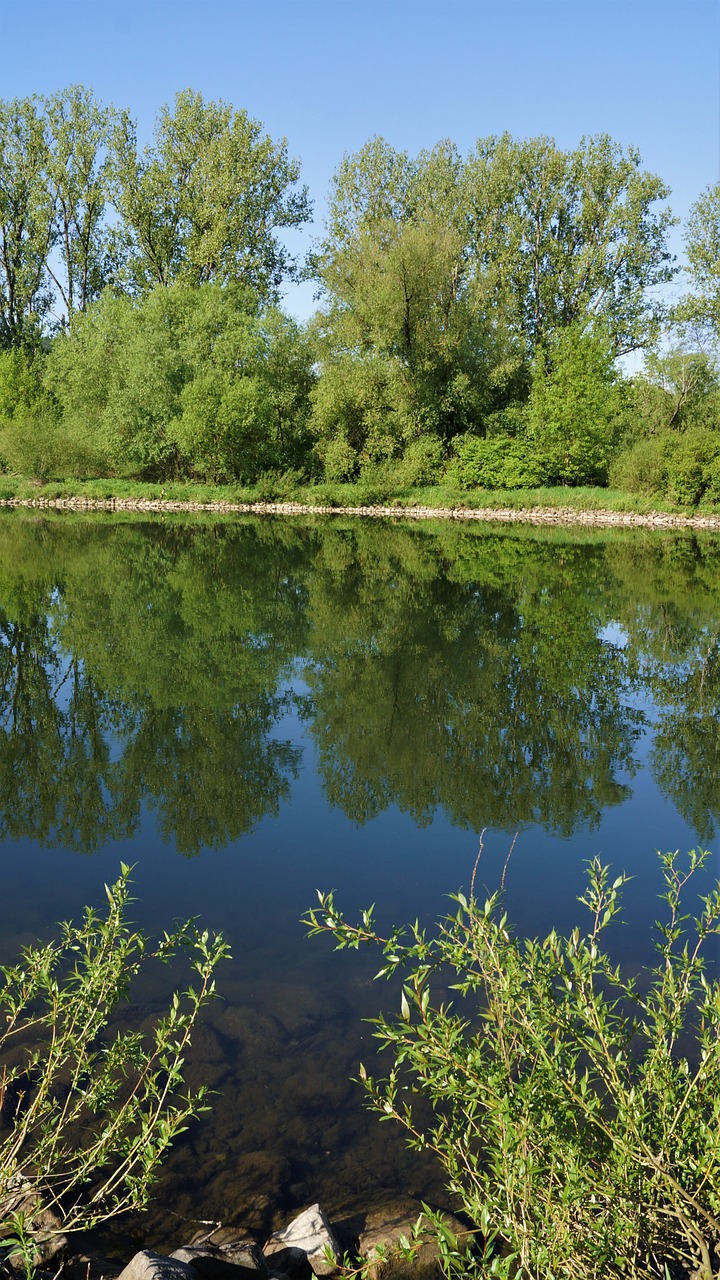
(308, 1247)
(505, 515)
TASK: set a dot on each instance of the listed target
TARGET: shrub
(497, 462)
(690, 464)
(641, 469)
(574, 407)
(421, 463)
(575, 1110)
(86, 1117)
(680, 467)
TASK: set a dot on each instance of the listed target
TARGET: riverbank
(504, 515)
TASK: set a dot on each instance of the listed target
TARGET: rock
(290, 1264)
(217, 1264)
(44, 1226)
(311, 1234)
(147, 1265)
(226, 1244)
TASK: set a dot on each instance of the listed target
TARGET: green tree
(444, 276)
(186, 381)
(677, 389)
(702, 241)
(404, 355)
(209, 200)
(27, 221)
(557, 237)
(78, 169)
(573, 406)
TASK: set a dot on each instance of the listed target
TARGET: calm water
(250, 710)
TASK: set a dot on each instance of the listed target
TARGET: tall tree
(444, 276)
(702, 241)
(209, 200)
(561, 236)
(27, 221)
(394, 267)
(78, 166)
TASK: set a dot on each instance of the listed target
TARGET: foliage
(678, 389)
(573, 407)
(702, 243)
(574, 1109)
(495, 462)
(30, 436)
(78, 168)
(560, 238)
(26, 221)
(683, 468)
(184, 382)
(208, 201)
(89, 1112)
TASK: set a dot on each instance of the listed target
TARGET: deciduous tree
(27, 221)
(209, 199)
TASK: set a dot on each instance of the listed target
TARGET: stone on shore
(311, 1235)
(217, 1264)
(148, 1265)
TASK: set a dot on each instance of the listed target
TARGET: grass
(362, 493)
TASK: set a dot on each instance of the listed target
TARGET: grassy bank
(287, 489)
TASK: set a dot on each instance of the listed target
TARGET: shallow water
(248, 710)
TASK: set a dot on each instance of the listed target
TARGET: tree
(557, 237)
(208, 201)
(27, 221)
(399, 328)
(78, 169)
(184, 381)
(702, 242)
(573, 406)
(443, 277)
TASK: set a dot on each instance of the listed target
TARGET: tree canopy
(207, 201)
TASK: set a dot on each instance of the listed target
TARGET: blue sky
(329, 75)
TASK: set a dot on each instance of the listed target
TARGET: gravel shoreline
(503, 515)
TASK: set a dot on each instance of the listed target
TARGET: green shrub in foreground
(86, 1117)
(575, 1111)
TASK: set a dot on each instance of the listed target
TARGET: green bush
(87, 1116)
(690, 464)
(29, 439)
(422, 463)
(681, 467)
(496, 462)
(642, 469)
(575, 1110)
(185, 382)
(574, 411)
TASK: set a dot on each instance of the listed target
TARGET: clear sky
(327, 76)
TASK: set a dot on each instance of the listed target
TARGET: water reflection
(338, 704)
(151, 665)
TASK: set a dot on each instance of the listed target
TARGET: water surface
(249, 709)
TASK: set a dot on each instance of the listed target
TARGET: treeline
(472, 314)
